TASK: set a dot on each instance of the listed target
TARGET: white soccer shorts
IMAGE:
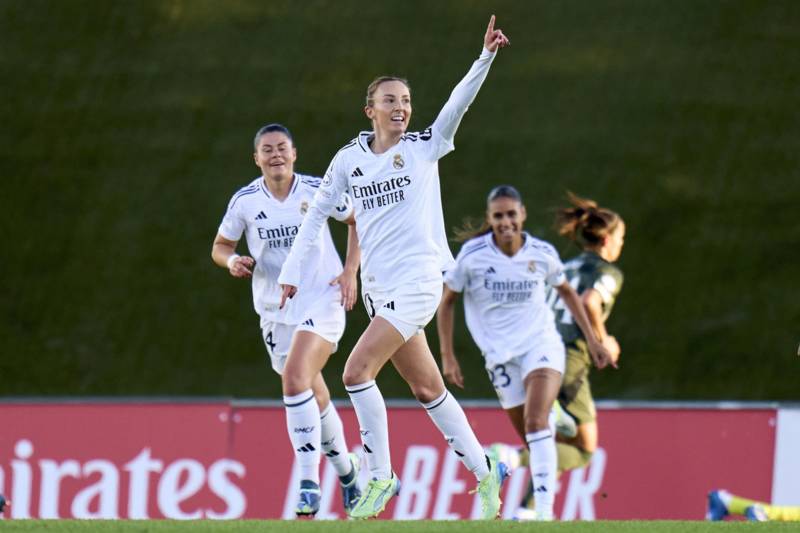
(408, 308)
(508, 379)
(325, 319)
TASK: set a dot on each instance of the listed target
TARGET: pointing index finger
(490, 29)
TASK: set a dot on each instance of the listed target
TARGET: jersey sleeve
(555, 268)
(440, 136)
(233, 224)
(344, 208)
(325, 201)
(609, 283)
(457, 277)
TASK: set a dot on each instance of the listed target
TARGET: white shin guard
(449, 417)
(302, 423)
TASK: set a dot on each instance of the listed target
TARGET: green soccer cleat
(488, 490)
(374, 499)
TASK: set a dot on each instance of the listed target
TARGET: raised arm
(464, 93)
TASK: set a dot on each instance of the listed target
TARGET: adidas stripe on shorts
(508, 379)
(408, 308)
(325, 319)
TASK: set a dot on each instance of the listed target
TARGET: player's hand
(242, 267)
(611, 344)
(348, 285)
(600, 355)
(288, 292)
(451, 371)
(494, 39)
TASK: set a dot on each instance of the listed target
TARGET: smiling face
(389, 108)
(506, 216)
(275, 156)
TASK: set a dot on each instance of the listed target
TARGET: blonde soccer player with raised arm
(393, 178)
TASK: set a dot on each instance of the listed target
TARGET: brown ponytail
(585, 222)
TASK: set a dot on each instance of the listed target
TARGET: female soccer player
(301, 336)
(601, 234)
(504, 272)
(393, 178)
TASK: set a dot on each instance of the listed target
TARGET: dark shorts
(575, 395)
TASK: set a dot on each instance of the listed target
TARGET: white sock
(448, 416)
(302, 422)
(371, 412)
(332, 437)
(543, 462)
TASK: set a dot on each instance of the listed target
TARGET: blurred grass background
(126, 126)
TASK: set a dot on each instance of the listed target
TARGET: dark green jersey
(586, 271)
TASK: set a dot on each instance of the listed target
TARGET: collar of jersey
(363, 143)
(265, 189)
(493, 246)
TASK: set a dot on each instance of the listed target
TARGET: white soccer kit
(270, 227)
(398, 209)
(506, 311)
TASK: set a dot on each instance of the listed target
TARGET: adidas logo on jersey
(261, 216)
(356, 173)
(309, 322)
(544, 359)
(490, 270)
(390, 305)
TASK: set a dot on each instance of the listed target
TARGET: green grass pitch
(256, 526)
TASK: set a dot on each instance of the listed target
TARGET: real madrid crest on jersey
(303, 207)
(398, 162)
(531, 266)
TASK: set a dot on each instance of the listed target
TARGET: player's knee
(294, 384)
(536, 422)
(586, 441)
(587, 446)
(425, 393)
(352, 376)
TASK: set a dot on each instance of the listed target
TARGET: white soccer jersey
(270, 226)
(504, 297)
(396, 198)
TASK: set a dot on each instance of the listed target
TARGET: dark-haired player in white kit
(393, 178)
(504, 272)
(301, 336)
